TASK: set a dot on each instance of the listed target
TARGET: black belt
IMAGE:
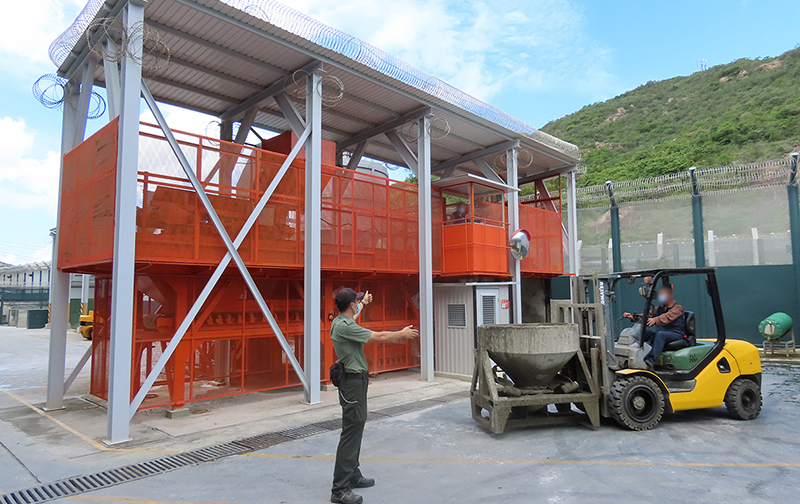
(364, 374)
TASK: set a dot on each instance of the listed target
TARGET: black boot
(346, 497)
(364, 483)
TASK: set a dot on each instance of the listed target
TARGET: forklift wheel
(743, 399)
(636, 402)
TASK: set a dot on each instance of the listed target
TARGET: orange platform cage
(369, 242)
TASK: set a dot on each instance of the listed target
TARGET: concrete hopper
(530, 354)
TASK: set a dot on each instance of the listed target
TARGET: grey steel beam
(312, 272)
(513, 225)
(425, 249)
(383, 128)
(75, 372)
(76, 103)
(572, 222)
(404, 150)
(227, 159)
(358, 153)
(488, 172)
(111, 75)
(488, 151)
(268, 92)
(124, 260)
(59, 280)
(87, 81)
(232, 254)
(290, 113)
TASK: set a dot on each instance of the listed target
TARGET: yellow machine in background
(86, 323)
(692, 373)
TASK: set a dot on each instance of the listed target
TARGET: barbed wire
(50, 90)
(438, 129)
(155, 53)
(678, 186)
(524, 160)
(97, 106)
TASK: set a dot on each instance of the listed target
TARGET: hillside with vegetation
(744, 111)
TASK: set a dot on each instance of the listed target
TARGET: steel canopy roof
(224, 52)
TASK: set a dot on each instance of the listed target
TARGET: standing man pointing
(348, 341)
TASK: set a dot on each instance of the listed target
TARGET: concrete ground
(434, 455)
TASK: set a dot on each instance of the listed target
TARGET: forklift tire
(636, 402)
(743, 399)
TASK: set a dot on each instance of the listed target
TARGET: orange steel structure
(369, 242)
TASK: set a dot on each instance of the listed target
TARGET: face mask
(662, 299)
(358, 308)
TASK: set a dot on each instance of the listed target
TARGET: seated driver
(665, 323)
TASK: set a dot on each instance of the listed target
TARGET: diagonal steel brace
(232, 254)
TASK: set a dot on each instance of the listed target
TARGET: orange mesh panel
(231, 349)
(86, 228)
(544, 257)
(101, 336)
(368, 223)
(474, 248)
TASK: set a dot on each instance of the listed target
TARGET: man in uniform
(348, 341)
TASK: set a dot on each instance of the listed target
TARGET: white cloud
(481, 46)
(27, 28)
(27, 181)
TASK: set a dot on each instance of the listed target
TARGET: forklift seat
(691, 337)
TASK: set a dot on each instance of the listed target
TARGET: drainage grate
(372, 416)
(263, 441)
(334, 424)
(455, 396)
(407, 408)
(88, 483)
(218, 451)
(304, 431)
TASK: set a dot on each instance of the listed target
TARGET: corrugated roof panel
(378, 86)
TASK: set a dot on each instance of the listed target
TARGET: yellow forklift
(704, 370)
(86, 325)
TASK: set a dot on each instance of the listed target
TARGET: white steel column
(111, 73)
(59, 281)
(312, 327)
(572, 223)
(122, 287)
(425, 249)
(84, 293)
(512, 180)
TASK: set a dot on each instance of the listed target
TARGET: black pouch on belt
(337, 374)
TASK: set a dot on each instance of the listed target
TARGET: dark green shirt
(348, 342)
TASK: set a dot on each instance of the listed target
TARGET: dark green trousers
(353, 398)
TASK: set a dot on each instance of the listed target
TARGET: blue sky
(535, 59)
